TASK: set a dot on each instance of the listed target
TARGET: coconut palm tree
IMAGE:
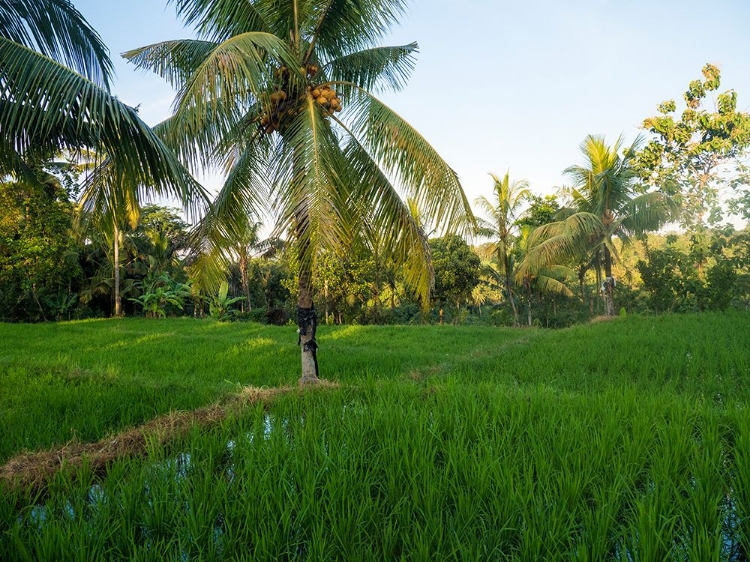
(54, 96)
(545, 279)
(502, 227)
(280, 95)
(606, 204)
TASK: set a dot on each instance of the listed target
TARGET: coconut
(329, 94)
(274, 97)
(322, 101)
(282, 95)
(316, 93)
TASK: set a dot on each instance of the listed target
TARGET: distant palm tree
(280, 95)
(546, 279)
(502, 227)
(113, 207)
(606, 204)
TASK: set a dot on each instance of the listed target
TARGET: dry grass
(34, 469)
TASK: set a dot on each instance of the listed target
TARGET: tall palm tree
(606, 204)
(280, 95)
(502, 227)
(54, 96)
(114, 201)
(113, 206)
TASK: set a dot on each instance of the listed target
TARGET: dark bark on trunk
(598, 282)
(609, 283)
(307, 322)
(529, 310)
(582, 284)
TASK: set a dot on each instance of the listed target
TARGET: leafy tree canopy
(457, 269)
(696, 154)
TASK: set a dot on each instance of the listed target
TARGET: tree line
(370, 222)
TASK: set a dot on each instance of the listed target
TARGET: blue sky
(508, 85)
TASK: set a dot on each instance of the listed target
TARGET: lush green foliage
(37, 255)
(49, 107)
(282, 97)
(456, 270)
(690, 156)
(503, 227)
(87, 378)
(504, 444)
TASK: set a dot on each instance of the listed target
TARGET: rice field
(624, 440)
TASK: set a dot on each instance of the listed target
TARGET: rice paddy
(623, 440)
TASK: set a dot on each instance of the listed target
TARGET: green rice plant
(486, 450)
(398, 470)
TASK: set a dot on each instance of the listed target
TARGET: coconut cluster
(326, 97)
(286, 100)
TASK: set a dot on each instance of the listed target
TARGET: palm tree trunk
(516, 321)
(529, 307)
(307, 321)
(598, 269)
(608, 283)
(509, 289)
(118, 297)
(245, 280)
(581, 283)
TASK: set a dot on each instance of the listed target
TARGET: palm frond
(314, 202)
(649, 212)
(218, 20)
(242, 199)
(233, 71)
(556, 242)
(48, 106)
(548, 284)
(412, 162)
(378, 69)
(232, 81)
(394, 220)
(174, 61)
(486, 206)
(338, 27)
(57, 30)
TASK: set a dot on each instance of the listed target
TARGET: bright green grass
(393, 471)
(84, 380)
(625, 440)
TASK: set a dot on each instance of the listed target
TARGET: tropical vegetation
(281, 97)
(294, 122)
(150, 405)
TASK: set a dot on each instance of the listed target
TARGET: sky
(503, 85)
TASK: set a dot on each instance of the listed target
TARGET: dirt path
(33, 470)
